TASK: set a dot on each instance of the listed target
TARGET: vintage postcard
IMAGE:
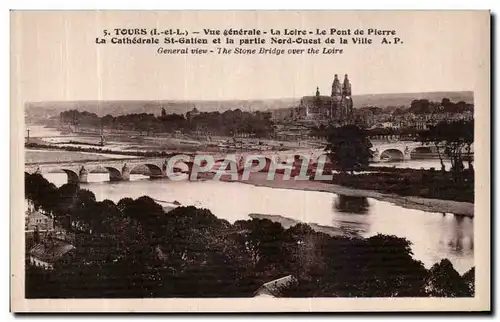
(250, 161)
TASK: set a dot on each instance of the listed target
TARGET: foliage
(41, 192)
(452, 139)
(348, 147)
(231, 122)
(411, 182)
(444, 281)
(469, 278)
(133, 249)
(424, 106)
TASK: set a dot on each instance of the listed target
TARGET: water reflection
(457, 238)
(351, 204)
(433, 235)
(349, 214)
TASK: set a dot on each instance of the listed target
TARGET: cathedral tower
(347, 104)
(336, 87)
(336, 97)
(346, 88)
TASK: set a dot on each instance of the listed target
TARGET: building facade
(48, 252)
(338, 107)
(35, 220)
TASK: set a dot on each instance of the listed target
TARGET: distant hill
(127, 107)
(47, 109)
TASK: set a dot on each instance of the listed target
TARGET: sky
(55, 57)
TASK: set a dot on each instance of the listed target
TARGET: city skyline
(298, 98)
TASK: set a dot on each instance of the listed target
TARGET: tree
(469, 279)
(468, 135)
(444, 281)
(399, 111)
(348, 147)
(124, 203)
(41, 192)
(66, 197)
(433, 136)
(380, 266)
(264, 241)
(422, 106)
(196, 245)
(390, 269)
(107, 120)
(229, 122)
(452, 139)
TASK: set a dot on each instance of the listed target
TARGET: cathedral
(337, 107)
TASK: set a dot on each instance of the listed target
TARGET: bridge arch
(182, 166)
(154, 170)
(114, 174)
(392, 154)
(73, 177)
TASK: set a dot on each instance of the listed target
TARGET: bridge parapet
(400, 151)
(120, 169)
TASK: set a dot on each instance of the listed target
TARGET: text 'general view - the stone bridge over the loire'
(120, 168)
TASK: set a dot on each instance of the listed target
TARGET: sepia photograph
(263, 157)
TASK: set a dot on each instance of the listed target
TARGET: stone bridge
(120, 169)
(404, 150)
(397, 151)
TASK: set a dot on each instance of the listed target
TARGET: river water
(434, 235)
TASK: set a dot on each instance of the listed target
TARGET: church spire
(336, 87)
(347, 86)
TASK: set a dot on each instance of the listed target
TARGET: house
(274, 288)
(35, 220)
(47, 253)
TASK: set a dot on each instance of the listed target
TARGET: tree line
(230, 122)
(453, 141)
(424, 106)
(349, 146)
(350, 150)
(134, 249)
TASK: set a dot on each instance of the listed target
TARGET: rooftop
(275, 287)
(51, 251)
(36, 215)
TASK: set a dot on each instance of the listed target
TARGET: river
(36, 131)
(434, 236)
(51, 135)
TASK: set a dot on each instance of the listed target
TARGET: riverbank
(287, 223)
(425, 204)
